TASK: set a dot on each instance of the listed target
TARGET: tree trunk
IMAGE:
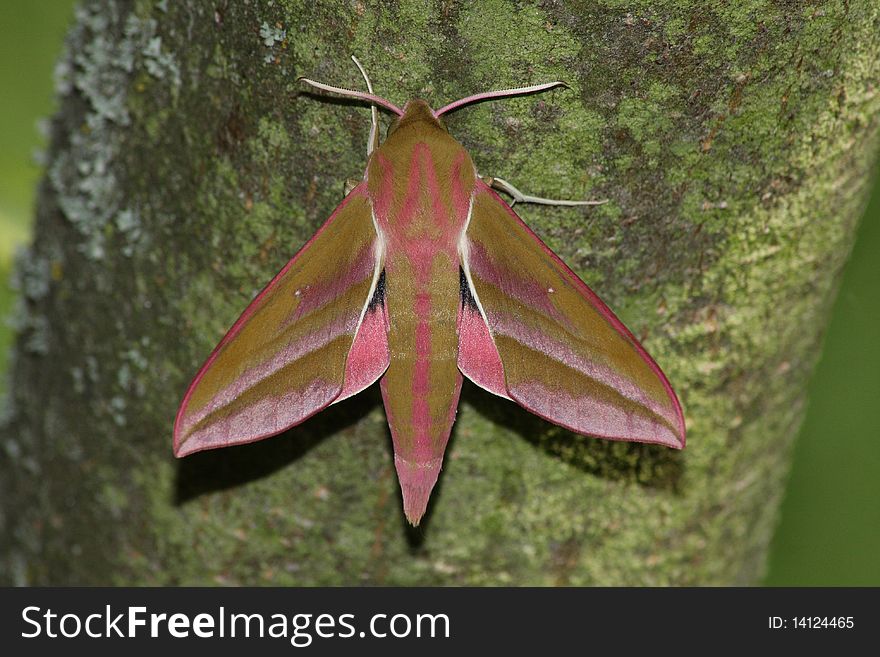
(187, 165)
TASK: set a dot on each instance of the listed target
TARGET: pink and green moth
(423, 275)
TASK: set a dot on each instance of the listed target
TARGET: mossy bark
(187, 166)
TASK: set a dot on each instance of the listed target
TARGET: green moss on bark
(187, 166)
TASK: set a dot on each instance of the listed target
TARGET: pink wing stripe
(595, 301)
(604, 420)
(316, 296)
(506, 324)
(265, 418)
(259, 373)
(478, 357)
(272, 414)
(528, 292)
(369, 356)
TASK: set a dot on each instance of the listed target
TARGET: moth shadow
(651, 466)
(221, 469)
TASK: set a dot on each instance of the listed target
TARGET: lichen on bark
(734, 143)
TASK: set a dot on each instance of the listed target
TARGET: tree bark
(187, 165)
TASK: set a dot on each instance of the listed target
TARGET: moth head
(416, 112)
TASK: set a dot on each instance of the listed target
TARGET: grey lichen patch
(84, 175)
(271, 34)
(274, 38)
(160, 64)
(128, 223)
(117, 406)
(31, 278)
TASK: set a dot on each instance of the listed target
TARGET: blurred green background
(829, 532)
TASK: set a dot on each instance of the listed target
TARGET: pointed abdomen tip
(415, 502)
(416, 483)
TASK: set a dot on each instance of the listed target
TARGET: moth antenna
(502, 93)
(351, 93)
(373, 142)
(518, 197)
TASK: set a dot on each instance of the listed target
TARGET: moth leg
(350, 184)
(517, 196)
(373, 139)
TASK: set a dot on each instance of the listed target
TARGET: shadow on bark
(229, 467)
(652, 466)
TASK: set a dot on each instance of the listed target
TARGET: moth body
(420, 182)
